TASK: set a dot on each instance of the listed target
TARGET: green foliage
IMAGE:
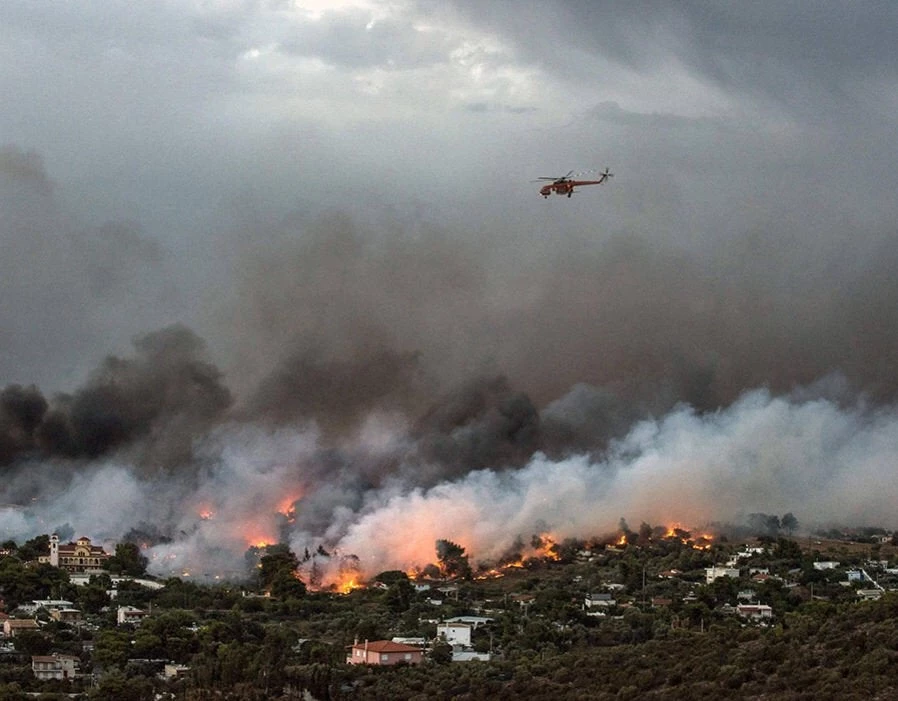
(32, 642)
(21, 583)
(34, 548)
(128, 560)
(278, 572)
(441, 653)
(116, 687)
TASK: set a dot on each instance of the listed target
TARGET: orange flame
(347, 584)
(287, 506)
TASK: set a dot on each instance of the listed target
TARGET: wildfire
(545, 547)
(206, 514)
(346, 585)
(287, 507)
(699, 542)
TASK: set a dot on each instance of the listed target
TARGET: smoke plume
(373, 392)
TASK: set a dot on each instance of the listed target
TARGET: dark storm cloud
(787, 52)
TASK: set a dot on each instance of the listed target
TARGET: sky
(313, 228)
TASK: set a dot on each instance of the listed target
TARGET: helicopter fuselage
(566, 187)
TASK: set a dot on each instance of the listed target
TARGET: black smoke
(160, 398)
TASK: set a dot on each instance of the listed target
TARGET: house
(755, 612)
(130, 614)
(602, 599)
(469, 655)
(455, 633)
(45, 667)
(383, 652)
(65, 615)
(175, 671)
(14, 626)
(712, 573)
(826, 565)
(80, 556)
(472, 620)
(869, 594)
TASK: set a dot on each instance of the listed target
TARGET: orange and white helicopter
(565, 184)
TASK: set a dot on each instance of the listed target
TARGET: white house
(469, 655)
(475, 621)
(46, 604)
(712, 573)
(602, 600)
(455, 633)
(130, 614)
(826, 565)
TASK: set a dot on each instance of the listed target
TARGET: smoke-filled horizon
(366, 437)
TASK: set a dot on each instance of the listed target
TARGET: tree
(128, 560)
(787, 549)
(32, 642)
(789, 522)
(764, 524)
(34, 548)
(117, 687)
(441, 653)
(278, 572)
(452, 559)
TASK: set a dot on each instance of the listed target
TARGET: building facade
(47, 667)
(80, 556)
(384, 652)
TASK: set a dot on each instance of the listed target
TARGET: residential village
(79, 620)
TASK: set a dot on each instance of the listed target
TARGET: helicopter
(565, 184)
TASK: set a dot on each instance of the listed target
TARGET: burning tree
(452, 559)
(278, 572)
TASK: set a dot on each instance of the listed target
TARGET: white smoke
(762, 454)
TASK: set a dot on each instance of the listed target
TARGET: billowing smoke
(151, 405)
(363, 393)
